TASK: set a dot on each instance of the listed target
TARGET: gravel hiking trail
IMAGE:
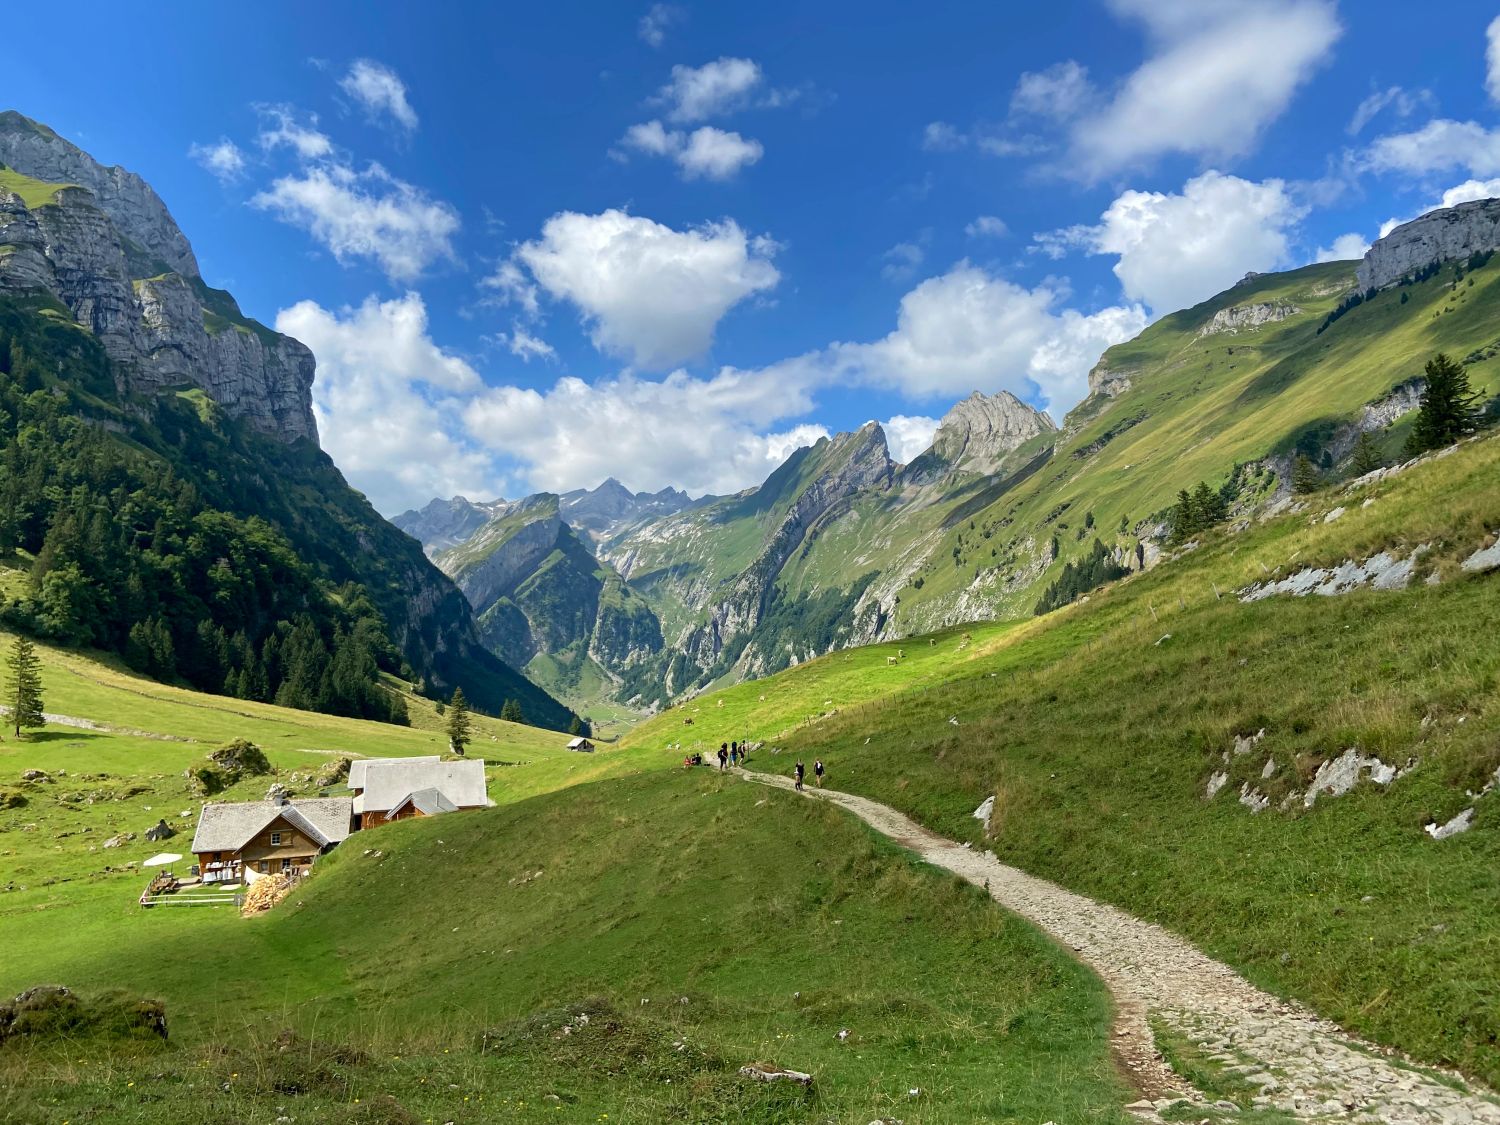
(1294, 1062)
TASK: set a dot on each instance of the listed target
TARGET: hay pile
(265, 893)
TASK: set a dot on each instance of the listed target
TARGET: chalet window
(263, 867)
(286, 865)
(275, 839)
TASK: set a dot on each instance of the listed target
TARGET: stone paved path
(1304, 1066)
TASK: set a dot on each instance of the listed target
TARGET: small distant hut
(581, 745)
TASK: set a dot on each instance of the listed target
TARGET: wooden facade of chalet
(245, 840)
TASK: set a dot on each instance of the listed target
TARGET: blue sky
(534, 246)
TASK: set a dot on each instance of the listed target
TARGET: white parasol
(161, 858)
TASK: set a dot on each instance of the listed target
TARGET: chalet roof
(428, 802)
(389, 780)
(579, 743)
(228, 827)
(358, 767)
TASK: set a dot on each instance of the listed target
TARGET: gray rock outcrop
(1445, 235)
(1242, 318)
(977, 433)
(105, 246)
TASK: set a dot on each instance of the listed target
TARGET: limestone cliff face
(1444, 235)
(108, 249)
(136, 211)
(977, 433)
(447, 523)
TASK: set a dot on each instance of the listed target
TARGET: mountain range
(612, 596)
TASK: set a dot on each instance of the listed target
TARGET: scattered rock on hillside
(1460, 823)
(11, 800)
(1337, 776)
(161, 831)
(985, 809)
(1379, 572)
(1485, 559)
(39, 777)
(766, 1072)
(1216, 782)
(332, 773)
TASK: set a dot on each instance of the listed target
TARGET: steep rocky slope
(97, 244)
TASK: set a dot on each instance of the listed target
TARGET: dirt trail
(1304, 1066)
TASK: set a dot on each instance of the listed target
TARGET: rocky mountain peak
(1444, 235)
(977, 433)
(135, 209)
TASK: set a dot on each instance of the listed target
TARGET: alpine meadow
(791, 564)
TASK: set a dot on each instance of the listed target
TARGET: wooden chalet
(245, 840)
(581, 745)
(401, 788)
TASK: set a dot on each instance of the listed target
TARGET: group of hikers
(736, 754)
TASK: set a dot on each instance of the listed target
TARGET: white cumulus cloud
(705, 153)
(224, 159)
(369, 214)
(1175, 250)
(1218, 72)
(388, 402)
(1345, 248)
(908, 435)
(1441, 145)
(698, 93)
(645, 290)
(703, 435)
(380, 90)
(970, 330)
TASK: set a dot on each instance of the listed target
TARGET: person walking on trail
(801, 771)
(734, 753)
(723, 754)
(818, 772)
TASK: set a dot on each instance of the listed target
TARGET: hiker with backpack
(801, 771)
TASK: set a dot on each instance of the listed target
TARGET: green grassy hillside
(1097, 729)
(427, 967)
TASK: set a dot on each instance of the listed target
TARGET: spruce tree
(1367, 456)
(25, 694)
(575, 728)
(511, 712)
(458, 722)
(1305, 475)
(1449, 407)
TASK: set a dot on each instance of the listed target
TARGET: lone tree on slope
(25, 694)
(1367, 456)
(511, 712)
(1449, 407)
(458, 722)
(1305, 475)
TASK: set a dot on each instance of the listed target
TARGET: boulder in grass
(161, 831)
(765, 1072)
